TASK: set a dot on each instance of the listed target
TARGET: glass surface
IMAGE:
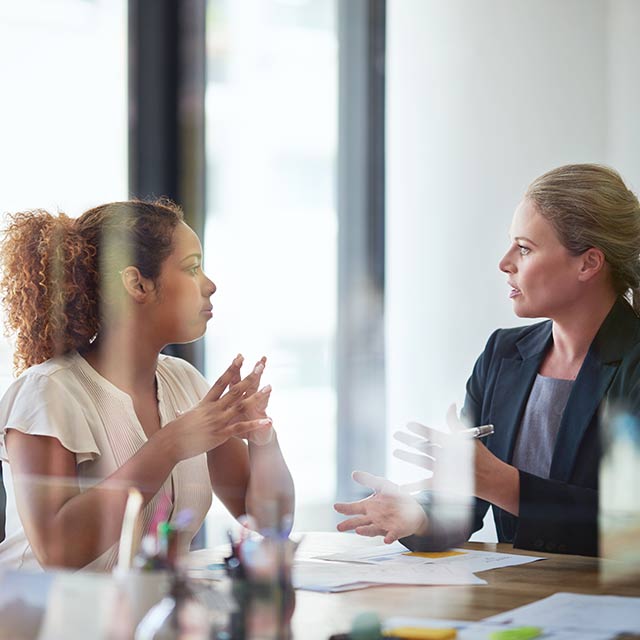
(63, 115)
(270, 241)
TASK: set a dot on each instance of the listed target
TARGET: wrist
(422, 528)
(501, 487)
(167, 447)
(264, 438)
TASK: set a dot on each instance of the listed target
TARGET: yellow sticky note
(420, 633)
(434, 554)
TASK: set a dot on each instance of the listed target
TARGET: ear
(136, 285)
(592, 263)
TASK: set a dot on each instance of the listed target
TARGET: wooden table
(318, 615)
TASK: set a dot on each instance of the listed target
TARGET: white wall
(483, 97)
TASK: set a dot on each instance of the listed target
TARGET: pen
(404, 633)
(129, 526)
(420, 633)
(477, 432)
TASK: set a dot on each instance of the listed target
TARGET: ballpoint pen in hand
(476, 432)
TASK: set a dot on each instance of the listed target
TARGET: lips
(208, 310)
(514, 290)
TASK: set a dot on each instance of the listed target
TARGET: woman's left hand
(493, 479)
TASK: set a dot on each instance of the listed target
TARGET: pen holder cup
(139, 591)
(262, 589)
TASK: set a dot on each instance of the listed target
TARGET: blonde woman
(574, 257)
(97, 409)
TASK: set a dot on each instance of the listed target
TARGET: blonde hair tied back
(589, 205)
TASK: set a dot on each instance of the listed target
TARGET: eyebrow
(191, 255)
(520, 238)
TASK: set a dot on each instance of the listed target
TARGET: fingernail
(238, 360)
(266, 389)
(265, 421)
(259, 368)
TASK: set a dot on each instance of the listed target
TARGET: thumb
(416, 487)
(377, 483)
(453, 422)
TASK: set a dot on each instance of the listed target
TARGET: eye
(523, 250)
(194, 270)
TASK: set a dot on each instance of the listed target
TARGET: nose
(506, 265)
(210, 287)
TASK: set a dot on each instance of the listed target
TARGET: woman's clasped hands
(233, 407)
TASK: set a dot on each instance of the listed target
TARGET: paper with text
(614, 614)
(330, 576)
(398, 555)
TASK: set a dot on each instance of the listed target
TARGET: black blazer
(559, 513)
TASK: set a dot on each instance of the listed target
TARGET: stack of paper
(343, 576)
(578, 613)
(364, 566)
(398, 555)
(562, 616)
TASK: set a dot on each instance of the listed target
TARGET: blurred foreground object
(619, 512)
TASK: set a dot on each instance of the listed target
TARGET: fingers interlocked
(242, 401)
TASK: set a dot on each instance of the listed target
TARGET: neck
(574, 330)
(125, 358)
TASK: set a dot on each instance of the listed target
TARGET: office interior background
(351, 165)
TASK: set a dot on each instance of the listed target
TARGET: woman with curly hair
(97, 409)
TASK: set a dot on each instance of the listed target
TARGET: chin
(522, 311)
(190, 337)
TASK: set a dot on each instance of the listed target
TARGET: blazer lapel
(618, 332)
(588, 391)
(513, 386)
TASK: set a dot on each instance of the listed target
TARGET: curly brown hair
(58, 272)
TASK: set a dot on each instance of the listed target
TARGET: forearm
(499, 484)
(270, 491)
(90, 522)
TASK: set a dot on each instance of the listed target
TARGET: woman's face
(543, 276)
(182, 306)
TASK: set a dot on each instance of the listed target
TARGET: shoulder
(510, 342)
(49, 400)
(59, 366)
(54, 374)
(630, 365)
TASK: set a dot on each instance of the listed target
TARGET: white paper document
(333, 576)
(578, 612)
(398, 555)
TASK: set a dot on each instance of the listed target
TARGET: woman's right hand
(219, 415)
(389, 511)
